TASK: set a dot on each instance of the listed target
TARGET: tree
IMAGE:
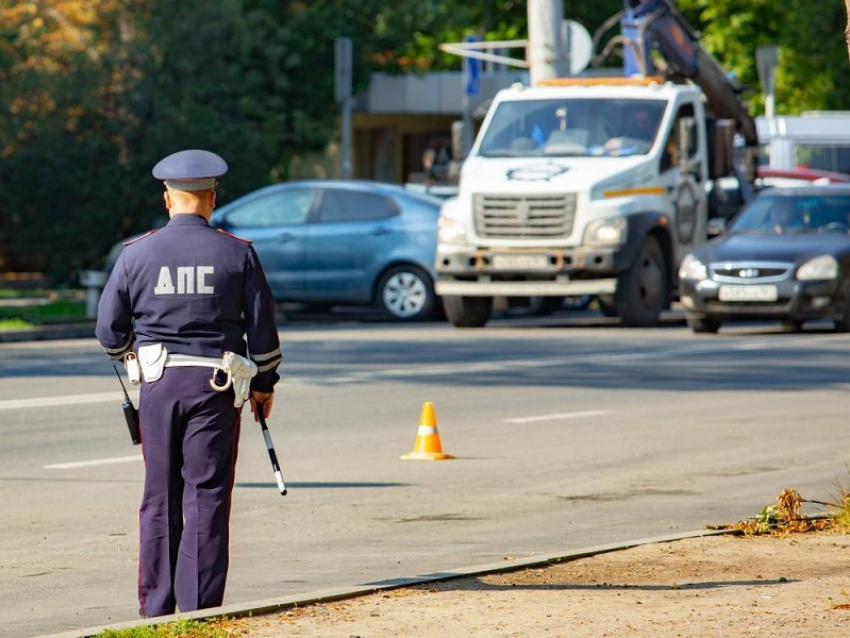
(95, 93)
(847, 27)
(82, 121)
(812, 72)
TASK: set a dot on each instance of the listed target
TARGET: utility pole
(546, 54)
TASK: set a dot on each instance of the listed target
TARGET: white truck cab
(578, 186)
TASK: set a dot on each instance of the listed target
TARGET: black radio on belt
(131, 414)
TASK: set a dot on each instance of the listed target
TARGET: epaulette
(224, 232)
(133, 241)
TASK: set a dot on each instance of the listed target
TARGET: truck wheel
(467, 312)
(707, 324)
(606, 305)
(642, 290)
(406, 293)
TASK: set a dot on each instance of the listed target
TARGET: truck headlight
(451, 231)
(823, 267)
(692, 268)
(610, 231)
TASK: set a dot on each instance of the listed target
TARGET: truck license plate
(747, 293)
(520, 262)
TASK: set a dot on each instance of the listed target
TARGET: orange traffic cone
(427, 445)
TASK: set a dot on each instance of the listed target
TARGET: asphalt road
(568, 431)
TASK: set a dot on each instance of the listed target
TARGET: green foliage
(51, 312)
(813, 71)
(92, 99)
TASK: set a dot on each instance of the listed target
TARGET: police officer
(177, 309)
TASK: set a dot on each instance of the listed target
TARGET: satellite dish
(578, 44)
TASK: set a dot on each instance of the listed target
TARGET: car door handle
(381, 230)
(286, 237)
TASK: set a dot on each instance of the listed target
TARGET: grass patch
(176, 629)
(59, 311)
(840, 509)
(786, 516)
(14, 293)
(14, 324)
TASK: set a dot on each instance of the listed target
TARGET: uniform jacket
(197, 291)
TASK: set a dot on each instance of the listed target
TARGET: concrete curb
(328, 595)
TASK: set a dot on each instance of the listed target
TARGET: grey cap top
(190, 170)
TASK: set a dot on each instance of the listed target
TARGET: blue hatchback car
(329, 242)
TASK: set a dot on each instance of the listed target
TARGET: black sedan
(785, 256)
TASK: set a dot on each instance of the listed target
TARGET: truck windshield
(572, 128)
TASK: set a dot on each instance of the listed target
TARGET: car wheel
(642, 290)
(468, 312)
(706, 325)
(606, 305)
(406, 293)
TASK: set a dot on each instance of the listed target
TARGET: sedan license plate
(748, 293)
(520, 262)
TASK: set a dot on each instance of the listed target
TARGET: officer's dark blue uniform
(197, 291)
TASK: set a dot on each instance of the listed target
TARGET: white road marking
(555, 417)
(93, 463)
(74, 399)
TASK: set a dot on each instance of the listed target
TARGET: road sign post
(472, 86)
(766, 59)
(342, 94)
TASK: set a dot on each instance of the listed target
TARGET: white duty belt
(239, 370)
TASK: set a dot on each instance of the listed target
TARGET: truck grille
(525, 215)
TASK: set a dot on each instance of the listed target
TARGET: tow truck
(558, 197)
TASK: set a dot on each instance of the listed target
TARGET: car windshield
(572, 128)
(779, 214)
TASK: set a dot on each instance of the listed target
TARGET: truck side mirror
(721, 144)
(688, 137)
(462, 139)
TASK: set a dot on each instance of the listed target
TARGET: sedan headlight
(610, 231)
(451, 231)
(823, 267)
(692, 268)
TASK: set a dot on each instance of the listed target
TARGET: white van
(815, 139)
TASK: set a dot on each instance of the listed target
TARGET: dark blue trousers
(190, 437)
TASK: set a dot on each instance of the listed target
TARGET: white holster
(152, 361)
(237, 369)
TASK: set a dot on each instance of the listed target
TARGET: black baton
(270, 446)
(131, 414)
